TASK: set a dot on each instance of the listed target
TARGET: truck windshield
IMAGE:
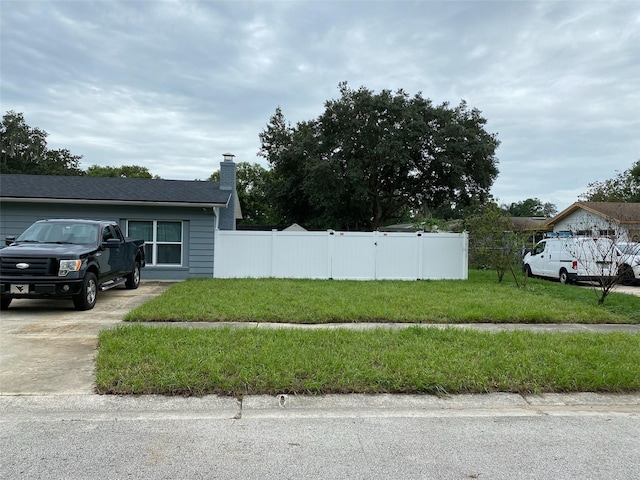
(60, 232)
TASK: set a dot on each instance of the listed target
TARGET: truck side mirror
(111, 243)
(9, 240)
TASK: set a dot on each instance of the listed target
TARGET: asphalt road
(360, 437)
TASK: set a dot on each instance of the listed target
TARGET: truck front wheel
(5, 302)
(88, 295)
(133, 279)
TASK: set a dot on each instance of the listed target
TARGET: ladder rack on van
(558, 234)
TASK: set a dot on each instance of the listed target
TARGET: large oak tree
(376, 158)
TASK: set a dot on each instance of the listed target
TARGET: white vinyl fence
(341, 255)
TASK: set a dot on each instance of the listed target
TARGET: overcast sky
(172, 85)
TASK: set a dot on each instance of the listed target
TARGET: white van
(572, 259)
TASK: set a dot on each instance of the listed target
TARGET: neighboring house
(176, 218)
(533, 226)
(621, 220)
(529, 224)
(294, 227)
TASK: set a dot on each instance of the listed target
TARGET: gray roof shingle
(110, 189)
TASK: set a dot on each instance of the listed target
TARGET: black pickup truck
(69, 259)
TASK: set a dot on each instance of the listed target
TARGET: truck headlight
(67, 266)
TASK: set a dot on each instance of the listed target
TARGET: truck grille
(37, 266)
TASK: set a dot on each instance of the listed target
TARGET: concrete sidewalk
(486, 327)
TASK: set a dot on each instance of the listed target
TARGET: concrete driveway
(628, 289)
(47, 347)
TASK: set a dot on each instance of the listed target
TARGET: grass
(154, 359)
(142, 359)
(479, 299)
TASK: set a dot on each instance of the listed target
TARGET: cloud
(171, 85)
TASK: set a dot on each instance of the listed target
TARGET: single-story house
(176, 218)
(534, 226)
(528, 224)
(621, 220)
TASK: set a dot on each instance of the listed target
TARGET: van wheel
(527, 271)
(626, 275)
(564, 277)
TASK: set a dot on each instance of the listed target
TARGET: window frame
(152, 246)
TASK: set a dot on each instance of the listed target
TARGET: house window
(163, 240)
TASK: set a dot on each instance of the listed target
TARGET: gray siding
(198, 229)
(202, 247)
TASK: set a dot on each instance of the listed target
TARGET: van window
(539, 248)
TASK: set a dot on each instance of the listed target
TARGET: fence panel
(352, 256)
(397, 256)
(341, 255)
(242, 254)
(300, 255)
(445, 255)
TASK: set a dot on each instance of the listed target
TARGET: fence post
(375, 255)
(330, 250)
(274, 239)
(216, 245)
(420, 254)
(465, 256)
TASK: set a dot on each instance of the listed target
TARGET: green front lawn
(181, 360)
(141, 359)
(479, 299)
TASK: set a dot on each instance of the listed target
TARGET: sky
(172, 85)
